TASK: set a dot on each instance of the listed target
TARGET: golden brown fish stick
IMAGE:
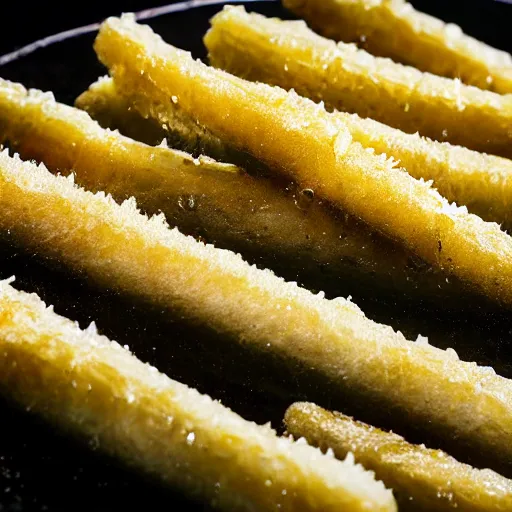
(299, 138)
(393, 28)
(352, 80)
(117, 247)
(101, 392)
(481, 182)
(422, 479)
(289, 230)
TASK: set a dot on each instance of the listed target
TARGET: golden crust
(299, 138)
(481, 182)
(352, 80)
(266, 221)
(99, 391)
(119, 248)
(394, 29)
(422, 479)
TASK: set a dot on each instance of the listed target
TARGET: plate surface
(41, 469)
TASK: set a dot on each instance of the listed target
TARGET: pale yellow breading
(264, 220)
(117, 247)
(96, 389)
(293, 135)
(481, 182)
(394, 29)
(422, 479)
(288, 54)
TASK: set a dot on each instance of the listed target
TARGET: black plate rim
(146, 14)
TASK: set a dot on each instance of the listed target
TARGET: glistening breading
(422, 479)
(393, 28)
(299, 138)
(352, 80)
(98, 390)
(270, 222)
(119, 248)
(479, 181)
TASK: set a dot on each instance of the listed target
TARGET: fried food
(394, 29)
(421, 478)
(105, 103)
(98, 390)
(277, 224)
(299, 138)
(288, 54)
(481, 182)
(117, 247)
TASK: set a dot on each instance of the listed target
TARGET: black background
(22, 23)
(39, 470)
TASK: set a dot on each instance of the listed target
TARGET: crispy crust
(119, 248)
(394, 29)
(266, 221)
(352, 80)
(479, 181)
(423, 479)
(299, 138)
(99, 391)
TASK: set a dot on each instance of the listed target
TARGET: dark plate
(40, 469)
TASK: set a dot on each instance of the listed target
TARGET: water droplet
(94, 443)
(174, 99)
(304, 198)
(187, 203)
(191, 438)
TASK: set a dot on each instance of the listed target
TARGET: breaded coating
(96, 389)
(481, 182)
(293, 135)
(117, 247)
(290, 55)
(422, 479)
(105, 103)
(267, 221)
(394, 29)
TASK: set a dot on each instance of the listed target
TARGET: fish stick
(116, 247)
(394, 29)
(481, 182)
(96, 389)
(421, 478)
(352, 80)
(103, 102)
(299, 138)
(289, 230)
